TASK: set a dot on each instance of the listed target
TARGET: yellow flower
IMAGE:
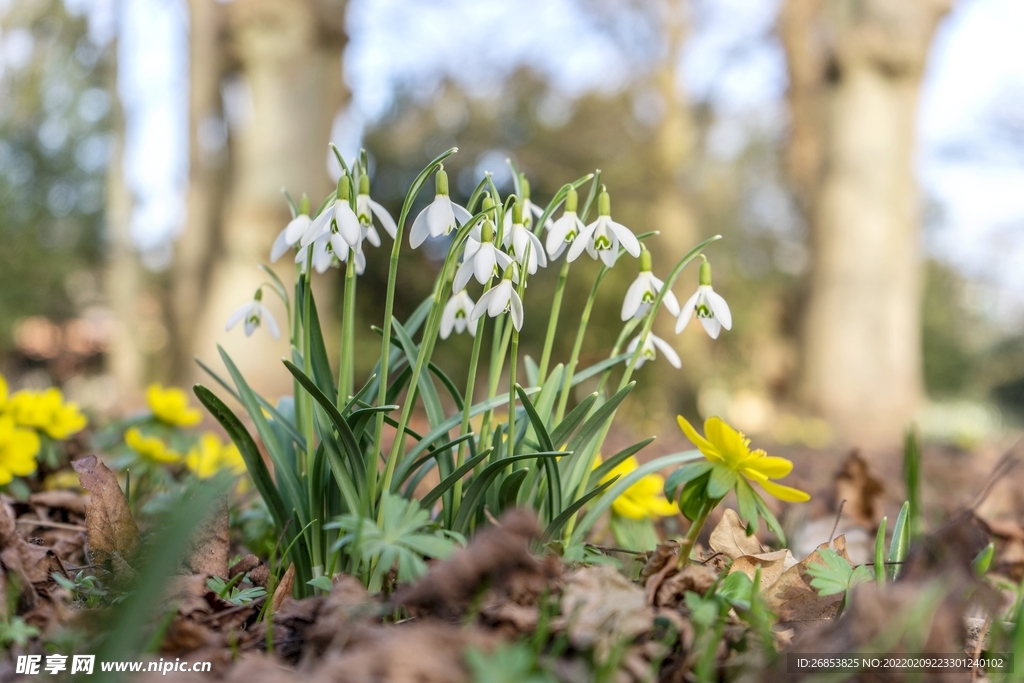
(47, 411)
(170, 405)
(643, 500)
(18, 450)
(150, 447)
(210, 456)
(729, 451)
(64, 479)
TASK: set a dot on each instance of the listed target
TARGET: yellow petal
(627, 507)
(786, 493)
(706, 447)
(768, 465)
(731, 444)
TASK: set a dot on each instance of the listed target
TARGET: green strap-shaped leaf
(510, 488)
(432, 454)
(624, 483)
(611, 463)
(286, 476)
(561, 433)
(319, 364)
(538, 424)
(563, 518)
(435, 493)
(475, 493)
(900, 541)
(280, 419)
(240, 436)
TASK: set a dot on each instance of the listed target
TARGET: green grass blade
(900, 542)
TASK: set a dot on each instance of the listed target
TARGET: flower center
(704, 311)
(648, 297)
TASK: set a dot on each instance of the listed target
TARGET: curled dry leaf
(772, 566)
(791, 596)
(112, 536)
(697, 578)
(663, 554)
(209, 551)
(860, 490)
(495, 556)
(284, 588)
(730, 537)
(601, 609)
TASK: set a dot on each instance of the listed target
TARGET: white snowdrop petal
(237, 316)
(626, 238)
(280, 246)
(720, 308)
(517, 309)
(420, 230)
(634, 297)
(670, 354)
(385, 218)
(268, 319)
(712, 326)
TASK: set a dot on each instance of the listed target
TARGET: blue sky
(975, 77)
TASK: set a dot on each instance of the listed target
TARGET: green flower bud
(364, 184)
(304, 204)
(509, 274)
(487, 203)
(524, 187)
(441, 180)
(704, 278)
(572, 201)
(258, 296)
(517, 213)
(604, 203)
(343, 187)
(487, 231)
(645, 260)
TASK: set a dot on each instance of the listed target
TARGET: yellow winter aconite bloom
(728, 451)
(170, 405)
(18, 450)
(46, 410)
(150, 447)
(210, 456)
(643, 500)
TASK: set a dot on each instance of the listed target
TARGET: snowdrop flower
(603, 236)
(366, 209)
(440, 218)
(644, 290)
(481, 259)
(650, 348)
(254, 314)
(455, 313)
(565, 229)
(330, 250)
(500, 299)
(529, 208)
(292, 232)
(519, 237)
(338, 212)
(712, 311)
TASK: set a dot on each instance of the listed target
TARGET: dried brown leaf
(209, 553)
(730, 537)
(791, 596)
(860, 490)
(772, 565)
(284, 588)
(601, 609)
(693, 577)
(663, 554)
(111, 533)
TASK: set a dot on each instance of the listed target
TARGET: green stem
(570, 368)
(389, 307)
(467, 401)
(556, 307)
(499, 348)
(686, 546)
(511, 450)
(346, 373)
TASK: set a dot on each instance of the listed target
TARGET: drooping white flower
(712, 310)
(366, 209)
(499, 299)
(338, 212)
(644, 290)
(254, 313)
(530, 210)
(522, 244)
(565, 229)
(481, 259)
(455, 315)
(330, 250)
(292, 232)
(603, 237)
(440, 217)
(650, 348)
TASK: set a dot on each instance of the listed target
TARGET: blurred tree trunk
(855, 71)
(284, 97)
(126, 359)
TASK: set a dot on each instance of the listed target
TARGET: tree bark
(855, 71)
(288, 57)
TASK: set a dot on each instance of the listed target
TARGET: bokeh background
(863, 158)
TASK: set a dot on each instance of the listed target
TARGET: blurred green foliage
(54, 147)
